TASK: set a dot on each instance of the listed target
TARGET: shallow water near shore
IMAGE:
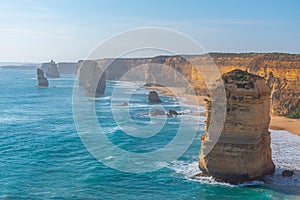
(42, 156)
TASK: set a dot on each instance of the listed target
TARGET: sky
(68, 30)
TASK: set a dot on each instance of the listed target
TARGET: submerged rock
(287, 173)
(123, 104)
(242, 152)
(153, 97)
(156, 112)
(172, 113)
(42, 80)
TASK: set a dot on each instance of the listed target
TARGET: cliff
(92, 78)
(67, 67)
(281, 72)
(242, 152)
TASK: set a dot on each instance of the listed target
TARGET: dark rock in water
(172, 113)
(287, 173)
(156, 112)
(153, 97)
(92, 78)
(51, 69)
(42, 80)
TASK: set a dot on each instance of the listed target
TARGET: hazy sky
(67, 30)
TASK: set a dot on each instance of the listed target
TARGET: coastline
(276, 123)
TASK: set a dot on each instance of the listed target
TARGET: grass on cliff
(295, 114)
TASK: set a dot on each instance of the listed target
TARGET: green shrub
(295, 114)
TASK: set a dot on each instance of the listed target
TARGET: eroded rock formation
(92, 78)
(242, 152)
(280, 70)
(51, 69)
(42, 80)
(285, 69)
(153, 97)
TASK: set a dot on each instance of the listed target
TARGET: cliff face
(281, 72)
(92, 78)
(67, 67)
(242, 152)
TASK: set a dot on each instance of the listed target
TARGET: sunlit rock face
(281, 72)
(242, 152)
(92, 78)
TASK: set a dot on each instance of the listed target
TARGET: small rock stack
(53, 71)
(242, 152)
(153, 97)
(42, 80)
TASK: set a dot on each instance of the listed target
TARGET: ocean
(43, 157)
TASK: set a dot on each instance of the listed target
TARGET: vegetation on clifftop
(295, 114)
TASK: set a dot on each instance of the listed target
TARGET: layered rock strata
(281, 70)
(242, 152)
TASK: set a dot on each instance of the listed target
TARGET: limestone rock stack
(92, 78)
(51, 69)
(242, 152)
(42, 80)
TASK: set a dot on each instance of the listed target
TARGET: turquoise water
(42, 156)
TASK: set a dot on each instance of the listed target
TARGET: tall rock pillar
(42, 80)
(242, 152)
(92, 77)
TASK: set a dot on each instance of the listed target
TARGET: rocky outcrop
(172, 113)
(157, 112)
(281, 72)
(51, 69)
(42, 80)
(284, 67)
(92, 78)
(287, 173)
(242, 152)
(153, 97)
(284, 100)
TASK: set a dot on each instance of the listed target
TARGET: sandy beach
(284, 123)
(277, 122)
